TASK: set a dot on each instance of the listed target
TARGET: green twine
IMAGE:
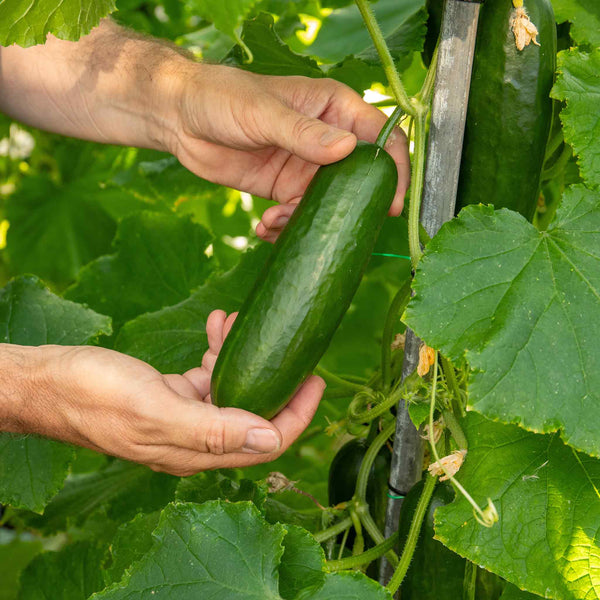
(392, 255)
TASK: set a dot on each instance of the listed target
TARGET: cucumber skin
(435, 572)
(510, 111)
(343, 474)
(306, 285)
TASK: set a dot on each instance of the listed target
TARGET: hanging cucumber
(343, 474)
(435, 11)
(435, 572)
(307, 284)
(510, 110)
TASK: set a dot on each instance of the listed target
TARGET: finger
(214, 330)
(296, 416)
(310, 139)
(275, 219)
(210, 429)
(183, 386)
(229, 323)
(199, 377)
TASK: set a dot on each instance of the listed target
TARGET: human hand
(268, 135)
(119, 405)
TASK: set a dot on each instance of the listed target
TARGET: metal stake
(446, 132)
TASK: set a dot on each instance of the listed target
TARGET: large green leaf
(227, 551)
(28, 22)
(584, 16)
(271, 55)
(343, 32)
(546, 495)
(226, 15)
(56, 229)
(578, 83)
(33, 469)
(174, 339)
(121, 490)
(70, 574)
(522, 305)
(159, 260)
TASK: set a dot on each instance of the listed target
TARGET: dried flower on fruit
(524, 30)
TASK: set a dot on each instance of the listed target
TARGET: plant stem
(396, 308)
(360, 559)
(375, 534)
(332, 378)
(387, 129)
(426, 93)
(365, 468)
(452, 382)
(413, 535)
(455, 429)
(384, 55)
(343, 544)
(416, 189)
(369, 414)
(490, 516)
(338, 527)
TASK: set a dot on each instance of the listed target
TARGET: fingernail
(280, 222)
(261, 441)
(333, 136)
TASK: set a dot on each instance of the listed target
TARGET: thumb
(310, 139)
(209, 428)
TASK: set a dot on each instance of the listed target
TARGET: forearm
(111, 86)
(17, 384)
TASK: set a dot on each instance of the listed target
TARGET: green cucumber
(510, 111)
(435, 572)
(343, 474)
(307, 284)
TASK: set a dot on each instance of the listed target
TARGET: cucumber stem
(416, 188)
(425, 95)
(339, 527)
(344, 383)
(362, 479)
(387, 129)
(413, 535)
(366, 557)
(452, 383)
(455, 429)
(376, 535)
(384, 55)
(396, 308)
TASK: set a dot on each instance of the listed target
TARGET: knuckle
(216, 438)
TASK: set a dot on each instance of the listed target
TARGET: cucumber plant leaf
(271, 56)
(584, 16)
(33, 469)
(57, 229)
(72, 573)
(226, 15)
(546, 495)
(27, 23)
(159, 260)
(343, 33)
(120, 491)
(578, 83)
(173, 339)
(522, 306)
(228, 551)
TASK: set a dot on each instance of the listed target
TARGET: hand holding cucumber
(116, 404)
